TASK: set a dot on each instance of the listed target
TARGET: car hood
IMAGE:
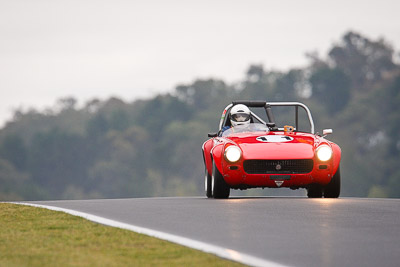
(275, 145)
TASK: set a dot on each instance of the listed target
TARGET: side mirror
(212, 134)
(325, 132)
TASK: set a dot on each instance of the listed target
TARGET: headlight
(324, 153)
(233, 154)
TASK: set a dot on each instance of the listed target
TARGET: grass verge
(39, 237)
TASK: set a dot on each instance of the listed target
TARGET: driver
(239, 115)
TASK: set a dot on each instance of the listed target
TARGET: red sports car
(248, 152)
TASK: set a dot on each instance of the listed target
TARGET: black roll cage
(267, 106)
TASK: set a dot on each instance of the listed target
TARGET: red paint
(303, 146)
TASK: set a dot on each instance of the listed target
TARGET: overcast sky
(131, 49)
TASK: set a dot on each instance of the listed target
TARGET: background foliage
(112, 148)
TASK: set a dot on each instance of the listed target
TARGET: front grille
(291, 166)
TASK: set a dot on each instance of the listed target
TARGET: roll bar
(249, 103)
(267, 106)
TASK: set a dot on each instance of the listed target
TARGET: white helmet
(240, 115)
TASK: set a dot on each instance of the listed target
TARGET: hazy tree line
(112, 148)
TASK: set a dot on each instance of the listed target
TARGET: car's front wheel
(219, 188)
(332, 190)
(314, 191)
(207, 184)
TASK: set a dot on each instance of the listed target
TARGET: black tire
(207, 184)
(332, 190)
(219, 188)
(314, 191)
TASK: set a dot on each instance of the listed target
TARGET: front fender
(207, 147)
(217, 156)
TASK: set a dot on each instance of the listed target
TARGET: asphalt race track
(288, 231)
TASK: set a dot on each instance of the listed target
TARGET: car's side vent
(291, 166)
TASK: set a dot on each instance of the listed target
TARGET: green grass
(39, 237)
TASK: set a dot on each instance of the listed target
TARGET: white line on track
(212, 249)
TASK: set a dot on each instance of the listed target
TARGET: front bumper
(236, 177)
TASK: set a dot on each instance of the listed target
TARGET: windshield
(252, 127)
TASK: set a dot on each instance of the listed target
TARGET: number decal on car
(274, 138)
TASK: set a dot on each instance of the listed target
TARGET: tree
(13, 149)
(57, 159)
(162, 110)
(362, 59)
(97, 126)
(202, 94)
(11, 181)
(258, 84)
(121, 172)
(331, 87)
(291, 86)
(67, 103)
